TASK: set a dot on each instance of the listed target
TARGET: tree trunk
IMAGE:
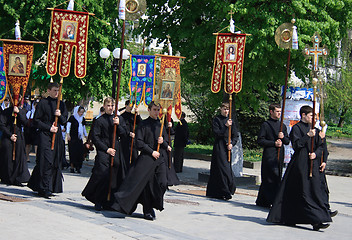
(342, 117)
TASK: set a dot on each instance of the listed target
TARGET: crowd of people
(133, 157)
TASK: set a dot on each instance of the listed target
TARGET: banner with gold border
(229, 56)
(18, 57)
(169, 84)
(68, 30)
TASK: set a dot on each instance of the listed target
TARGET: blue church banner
(3, 83)
(142, 78)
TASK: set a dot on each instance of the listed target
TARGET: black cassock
(47, 175)
(146, 181)
(271, 169)
(323, 181)
(126, 141)
(13, 172)
(172, 178)
(180, 142)
(300, 199)
(221, 182)
(97, 188)
(75, 145)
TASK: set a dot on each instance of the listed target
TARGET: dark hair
(53, 84)
(127, 102)
(225, 104)
(80, 108)
(109, 100)
(305, 109)
(152, 103)
(273, 106)
(102, 109)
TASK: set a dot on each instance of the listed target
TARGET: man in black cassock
(146, 181)
(271, 139)
(172, 178)
(221, 182)
(97, 187)
(126, 141)
(323, 181)
(13, 172)
(300, 198)
(180, 142)
(47, 176)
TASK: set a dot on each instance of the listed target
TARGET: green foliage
(252, 155)
(339, 132)
(190, 24)
(339, 91)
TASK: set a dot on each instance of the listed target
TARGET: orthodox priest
(47, 176)
(271, 139)
(221, 182)
(300, 198)
(13, 172)
(146, 181)
(128, 116)
(97, 188)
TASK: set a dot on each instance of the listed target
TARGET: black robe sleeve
(140, 144)
(97, 135)
(3, 121)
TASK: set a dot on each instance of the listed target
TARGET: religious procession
(259, 80)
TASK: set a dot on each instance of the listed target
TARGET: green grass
(336, 132)
(252, 155)
(199, 149)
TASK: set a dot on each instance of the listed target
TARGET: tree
(190, 24)
(35, 23)
(339, 91)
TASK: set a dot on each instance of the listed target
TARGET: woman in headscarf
(76, 130)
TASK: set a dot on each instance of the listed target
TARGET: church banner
(69, 29)
(3, 82)
(169, 89)
(229, 55)
(18, 56)
(142, 78)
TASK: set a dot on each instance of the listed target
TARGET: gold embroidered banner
(18, 56)
(69, 29)
(229, 55)
(169, 84)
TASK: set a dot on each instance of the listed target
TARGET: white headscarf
(3, 106)
(79, 120)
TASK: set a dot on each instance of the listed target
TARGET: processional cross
(316, 51)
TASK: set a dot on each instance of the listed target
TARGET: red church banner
(169, 84)
(229, 55)
(69, 29)
(18, 56)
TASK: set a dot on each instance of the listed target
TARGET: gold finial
(293, 21)
(168, 38)
(164, 110)
(315, 82)
(51, 80)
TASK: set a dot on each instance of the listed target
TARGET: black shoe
(45, 194)
(72, 170)
(78, 170)
(18, 184)
(153, 213)
(148, 216)
(318, 226)
(334, 213)
(98, 207)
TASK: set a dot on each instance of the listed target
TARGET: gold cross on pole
(231, 13)
(316, 51)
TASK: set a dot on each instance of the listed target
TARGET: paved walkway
(187, 215)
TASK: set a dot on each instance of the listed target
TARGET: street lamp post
(105, 54)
